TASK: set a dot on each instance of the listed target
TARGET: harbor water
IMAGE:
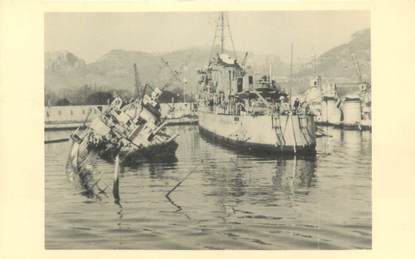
(229, 201)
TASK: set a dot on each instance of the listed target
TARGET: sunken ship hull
(165, 151)
(288, 134)
(155, 152)
(132, 131)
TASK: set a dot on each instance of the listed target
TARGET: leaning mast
(136, 80)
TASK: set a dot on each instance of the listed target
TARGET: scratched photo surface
(208, 130)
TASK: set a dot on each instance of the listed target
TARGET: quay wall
(71, 114)
(79, 113)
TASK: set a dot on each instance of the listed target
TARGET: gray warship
(247, 112)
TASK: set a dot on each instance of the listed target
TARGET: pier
(72, 117)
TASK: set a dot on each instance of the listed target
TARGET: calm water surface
(230, 201)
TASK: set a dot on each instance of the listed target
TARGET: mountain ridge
(114, 69)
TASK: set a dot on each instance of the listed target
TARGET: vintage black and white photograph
(235, 130)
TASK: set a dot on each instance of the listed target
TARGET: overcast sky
(90, 35)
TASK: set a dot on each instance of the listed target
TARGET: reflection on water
(296, 179)
(219, 199)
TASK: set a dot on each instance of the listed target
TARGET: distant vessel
(249, 113)
(350, 111)
(356, 109)
(324, 102)
(366, 104)
(357, 113)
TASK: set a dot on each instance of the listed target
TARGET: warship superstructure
(324, 102)
(250, 112)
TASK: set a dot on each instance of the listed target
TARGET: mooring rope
(292, 127)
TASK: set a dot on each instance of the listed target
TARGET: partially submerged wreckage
(125, 133)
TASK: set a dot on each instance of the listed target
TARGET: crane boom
(244, 59)
(357, 66)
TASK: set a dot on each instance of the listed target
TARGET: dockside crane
(364, 85)
(244, 59)
(177, 75)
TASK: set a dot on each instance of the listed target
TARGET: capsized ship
(133, 130)
(125, 132)
(247, 112)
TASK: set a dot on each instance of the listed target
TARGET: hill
(341, 62)
(65, 72)
(67, 75)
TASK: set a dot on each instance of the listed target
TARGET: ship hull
(259, 134)
(261, 149)
(160, 152)
(188, 120)
(325, 123)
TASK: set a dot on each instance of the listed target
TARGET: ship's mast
(291, 60)
(230, 37)
(137, 81)
(222, 36)
(291, 72)
(222, 31)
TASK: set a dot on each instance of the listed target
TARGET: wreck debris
(116, 184)
(81, 169)
(167, 195)
(178, 184)
(56, 140)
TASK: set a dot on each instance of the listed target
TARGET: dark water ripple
(230, 201)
